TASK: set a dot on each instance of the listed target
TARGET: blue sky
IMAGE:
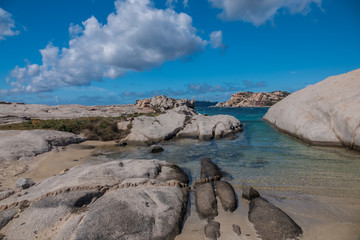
(114, 52)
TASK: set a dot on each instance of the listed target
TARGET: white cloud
(260, 11)
(6, 25)
(216, 40)
(136, 37)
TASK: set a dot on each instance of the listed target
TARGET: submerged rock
(156, 149)
(135, 199)
(326, 113)
(271, 222)
(208, 168)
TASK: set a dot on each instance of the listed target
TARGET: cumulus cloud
(6, 25)
(216, 40)
(260, 11)
(136, 37)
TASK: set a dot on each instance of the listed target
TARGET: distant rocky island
(251, 99)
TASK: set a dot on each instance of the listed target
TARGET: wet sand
(321, 218)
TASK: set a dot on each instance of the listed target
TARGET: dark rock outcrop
(212, 230)
(205, 200)
(250, 193)
(226, 194)
(236, 229)
(271, 222)
(208, 168)
(156, 149)
(24, 183)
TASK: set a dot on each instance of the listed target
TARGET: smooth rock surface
(179, 120)
(15, 144)
(326, 113)
(205, 200)
(271, 222)
(128, 199)
(226, 194)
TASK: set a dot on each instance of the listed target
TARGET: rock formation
(129, 199)
(16, 112)
(178, 119)
(250, 99)
(15, 144)
(169, 118)
(326, 113)
(270, 221)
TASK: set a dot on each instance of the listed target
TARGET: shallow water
(264, 158)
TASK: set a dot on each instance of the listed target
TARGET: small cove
(264, 158)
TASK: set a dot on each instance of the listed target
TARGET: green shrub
(93, 128)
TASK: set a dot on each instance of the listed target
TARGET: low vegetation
(93, 128)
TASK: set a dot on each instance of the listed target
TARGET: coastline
(320, 217)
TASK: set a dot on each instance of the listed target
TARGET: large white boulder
(326, 113)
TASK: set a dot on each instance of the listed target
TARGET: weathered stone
(14, 112)
(5, 194)
(151, 213)
(208, 168)
(250, 99)
(205, 201)
(212, 230)
(124, 125)
(15, 144)
(156, 149)
(226, 193)
(326, 113)
(271, 222)
(24, 183)
(163, 103)
(128, 199)
(6, 216)
(236, 229)
(250, 193)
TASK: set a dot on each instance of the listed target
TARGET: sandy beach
(53, 162)
(321, 218)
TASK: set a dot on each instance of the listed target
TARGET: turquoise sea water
(264, 158)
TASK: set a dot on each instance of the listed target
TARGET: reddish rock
(250, 99)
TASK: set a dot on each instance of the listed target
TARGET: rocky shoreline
(108, 200)
(251, 99)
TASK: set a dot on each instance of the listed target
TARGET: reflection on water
(264, 158)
